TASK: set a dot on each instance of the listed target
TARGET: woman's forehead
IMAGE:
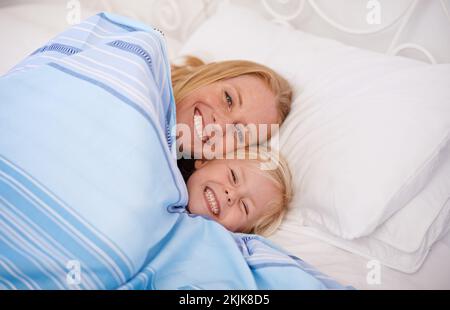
(259, 104)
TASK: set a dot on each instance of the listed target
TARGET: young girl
(242, 194)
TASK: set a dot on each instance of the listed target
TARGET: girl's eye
(245, 208)
(228, 99)
(233, 176)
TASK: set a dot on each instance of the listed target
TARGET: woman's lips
(199, 127)
(198, 124)
(211, 201)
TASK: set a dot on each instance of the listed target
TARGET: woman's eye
(239, 133)
(233, 176)
(228, 99)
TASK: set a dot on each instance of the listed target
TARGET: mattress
(352, 269)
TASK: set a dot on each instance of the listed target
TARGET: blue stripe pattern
(57, 47)
(135, 49)
(105, 87)
(261, 254)
(52, 217)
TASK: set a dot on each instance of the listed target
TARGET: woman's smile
(199, 124)
(208, 111)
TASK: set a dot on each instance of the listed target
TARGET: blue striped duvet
(90, 195)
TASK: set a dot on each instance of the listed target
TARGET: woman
(220, 94)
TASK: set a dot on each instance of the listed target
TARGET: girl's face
(241, 100)
(234, 193)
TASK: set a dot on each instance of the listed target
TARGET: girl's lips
(211, 200)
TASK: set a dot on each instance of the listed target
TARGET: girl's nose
(230, 196)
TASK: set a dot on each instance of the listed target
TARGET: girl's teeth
(212, 201)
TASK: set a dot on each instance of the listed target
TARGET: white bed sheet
(26, 26)
(351, 269)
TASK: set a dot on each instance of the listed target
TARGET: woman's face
(234, 193)
(209, 114)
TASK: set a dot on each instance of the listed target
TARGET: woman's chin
(200, 150)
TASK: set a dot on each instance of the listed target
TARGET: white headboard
(414, 28)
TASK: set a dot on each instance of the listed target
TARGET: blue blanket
(90, 194)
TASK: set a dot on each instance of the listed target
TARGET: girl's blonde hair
(194, 73)
(272, 165)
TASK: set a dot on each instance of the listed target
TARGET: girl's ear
(199, 163)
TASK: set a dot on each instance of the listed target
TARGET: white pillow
(405, 239)
(367, 131)
(424, 219)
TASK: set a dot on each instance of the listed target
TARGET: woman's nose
(222, 121)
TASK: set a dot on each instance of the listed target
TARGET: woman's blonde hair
(194, 73)
(272, 165)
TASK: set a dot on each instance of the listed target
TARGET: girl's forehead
(251, 164)
(252, 169)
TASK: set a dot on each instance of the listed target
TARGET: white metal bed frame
(179, 18)
(170, 17)
(394, 47)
